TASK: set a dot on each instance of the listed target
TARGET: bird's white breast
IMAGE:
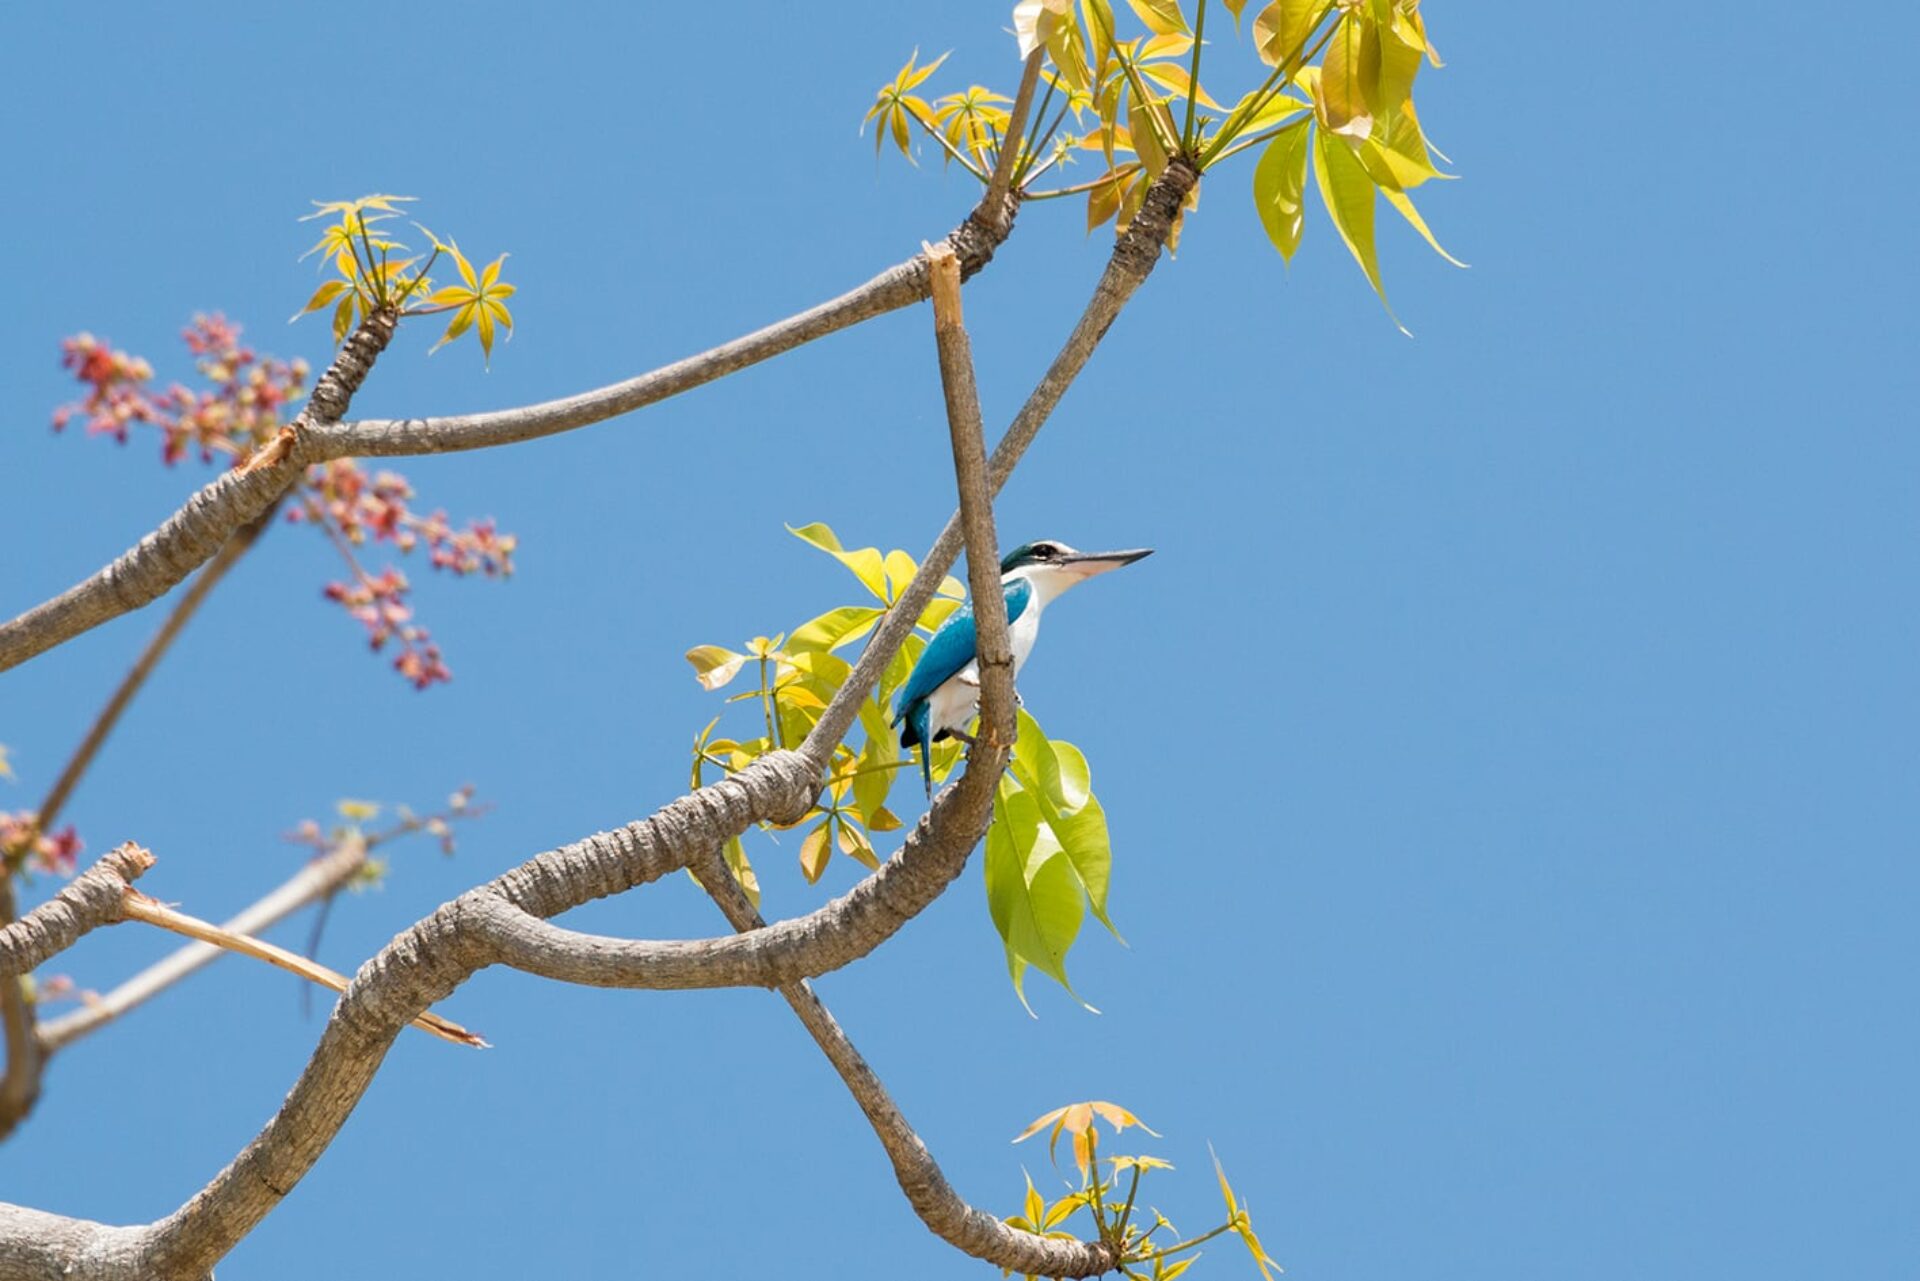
(956, 701)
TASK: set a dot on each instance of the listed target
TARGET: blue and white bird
(942, 692)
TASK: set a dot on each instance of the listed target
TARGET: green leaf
(1076, 787)
(866, 563)
(1279, 187)
(1084, 838)
(1034, 898)
(1349, 197)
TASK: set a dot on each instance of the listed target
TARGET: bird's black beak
(1088, 564)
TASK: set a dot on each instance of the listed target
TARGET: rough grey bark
(428, 961)
(193, 534)
(90, 900)
(316, 880)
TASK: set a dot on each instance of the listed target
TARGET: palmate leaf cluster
(1048, 856)
(1105, 1203)
(371, 274)
(1125, 93)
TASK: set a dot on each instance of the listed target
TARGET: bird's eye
(1047, 551)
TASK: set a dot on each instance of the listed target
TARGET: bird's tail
(918, 719)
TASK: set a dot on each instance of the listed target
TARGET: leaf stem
(1184, 1246)
(1112, 175)
(1193, 77)
(1281, 77)
(949, 148)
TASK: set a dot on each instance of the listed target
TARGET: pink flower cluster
(248, 401)
(379, 603)
(55, 852)
(243, 408)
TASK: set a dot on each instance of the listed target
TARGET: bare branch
(143, 666)
(192, 535)
(319, 878)
(425, 963)
(942, 1209)
(138, 907)
(994, 205)
(90, 900)
(832, 936)
(196, 531)
(1134, 256)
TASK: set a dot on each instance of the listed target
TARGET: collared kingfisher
(942, 692)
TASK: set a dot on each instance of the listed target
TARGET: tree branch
(1000, 184)
(1134, 256)
(941, 1208)
(426, 962)
(192, 535)
(837, 934)
(90, 900)
(136, 676)
(319, 878)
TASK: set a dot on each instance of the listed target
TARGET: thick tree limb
(828, 938)
(193, 534)
(428, 961)
(323, 876)
(943, 1210)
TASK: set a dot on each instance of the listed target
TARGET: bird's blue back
(954, 646)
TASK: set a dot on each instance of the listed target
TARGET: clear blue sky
(1510, 753)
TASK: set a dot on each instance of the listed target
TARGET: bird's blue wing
(946, 655)
(954, 646)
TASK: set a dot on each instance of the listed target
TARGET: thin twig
(1003, 167)
(319, 879)
(103, 725)
(141, 908)
(197, 531)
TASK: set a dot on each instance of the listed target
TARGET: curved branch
(832, 936)
(421, 967)
(194, 533)
(92, 899)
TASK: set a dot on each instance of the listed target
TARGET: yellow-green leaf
(1344, 77)
(1163, 17)
(815, 850)
(1280, 184)
(1174, 76)
(1349, 197)
(1281, 30)
(1401, 201)
(866, 563)
(358, 811)
(714, 666)
(325, 294)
